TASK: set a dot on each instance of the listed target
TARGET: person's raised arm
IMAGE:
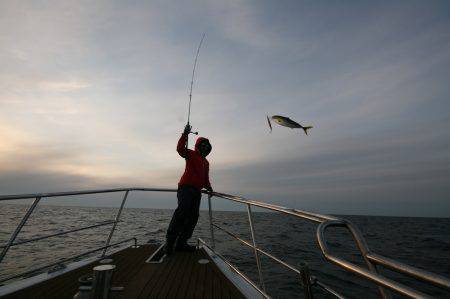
(181, 146)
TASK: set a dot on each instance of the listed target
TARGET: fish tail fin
(306, 129)
(270, 125)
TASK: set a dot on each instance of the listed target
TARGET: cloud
(96, 94)
(62, 86)
(387, 168)
(28, 164)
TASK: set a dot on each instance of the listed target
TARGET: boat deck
(179, 276)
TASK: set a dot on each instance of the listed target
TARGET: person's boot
(182, 245)
(168, 247)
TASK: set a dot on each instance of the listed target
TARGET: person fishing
(193, 180)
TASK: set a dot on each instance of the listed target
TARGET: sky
(94, 94)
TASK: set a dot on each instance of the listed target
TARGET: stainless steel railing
(39, 196)
(63, 261)
(371, 259)
(234, 268)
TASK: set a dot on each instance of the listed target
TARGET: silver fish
(287, 122)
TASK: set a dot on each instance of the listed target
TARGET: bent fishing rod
(192, 83)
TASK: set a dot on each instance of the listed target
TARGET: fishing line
(193, 74)
(192, 83)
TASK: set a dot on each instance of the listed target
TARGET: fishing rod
(192, 83)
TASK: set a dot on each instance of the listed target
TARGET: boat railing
(371, 259)
(307, 280)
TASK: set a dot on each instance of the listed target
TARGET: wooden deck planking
(190, 291)
(200, 283)
(209, 280)
(184, 284)
(217, 293)
(178, 276)
(66, 285)
(155, 287)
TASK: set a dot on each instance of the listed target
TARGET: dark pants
(185, 216)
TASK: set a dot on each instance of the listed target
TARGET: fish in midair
(287, 122)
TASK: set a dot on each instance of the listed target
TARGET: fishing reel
(188, 129)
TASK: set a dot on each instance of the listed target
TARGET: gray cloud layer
(95, 94)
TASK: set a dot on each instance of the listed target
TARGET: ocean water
(421, 242)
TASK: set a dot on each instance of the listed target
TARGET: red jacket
(196, 173)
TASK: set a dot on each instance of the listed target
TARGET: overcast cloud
(94, 94)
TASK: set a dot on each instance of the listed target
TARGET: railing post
(364, 250)
(19, 228)
(258, 262)
(211, 228)
(115, 222)
(305, 278)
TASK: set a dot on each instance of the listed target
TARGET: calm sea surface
(421, 242)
